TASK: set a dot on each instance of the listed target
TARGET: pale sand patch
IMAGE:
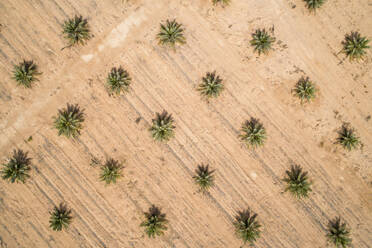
(87, 57)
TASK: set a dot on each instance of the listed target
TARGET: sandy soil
(217, 39)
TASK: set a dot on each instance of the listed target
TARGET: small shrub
(347, 138)
(69, 121)
(111, 171)
(223, 2)
(305, 89)
(118, 80)
(297, 182)
(60, 218)
(312, 5)
(18, 167)
(338, 233)
(76, 31)
(171, 33)
(247, 227)
(262, 41)
(211, 85)
(355, 46)
(155, 223)
(162, 127)
(253, 133)
(25, 73)
(204, 177)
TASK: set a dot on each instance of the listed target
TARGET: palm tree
(118, 80)
(253, 133)
(339, 233)
(223, 2)
(312, 5)
(111, 171)
(18, 167)
(155, 223)
(69, 121)
(171, 33)
(297, 182)
(162, 126)
(246, 226)
(60, 218)
(305, 89)
(355, 46)
(76, 31)
(25, 73)
(211, 85)
(262, 41)
(347, 137)
(204, 177)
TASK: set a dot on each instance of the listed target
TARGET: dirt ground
(217, 39)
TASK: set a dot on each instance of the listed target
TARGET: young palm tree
(118, 80)
(211, 85)
(204, 177)
(312, 5)
(60, 218)
(355, 46)
(69, 121)
(347, 137)
(155, 223)
(162, 127)
(18, 167)
(305, 89)
(171, 33)
(253, 133)
(247, 227)
(223, 2)
(262, 41)
(338, 233)
(76, 31)
(297, 182)
(25, 73)
(111, 171)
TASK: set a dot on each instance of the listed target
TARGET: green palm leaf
(204, 177)
(297, 182)
(26, 73)
(253, 133)
(338, 233)
(76, 31)
(171, 33)
(305, 90)
(118, 80)
(162, 128)
(69, 121)
(347, 138)
(211, 85)
(155, 223)
(247, 227)
(262, 41)
(355, 46)
(18, 167)
(111, 171)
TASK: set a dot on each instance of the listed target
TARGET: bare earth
(217, 39)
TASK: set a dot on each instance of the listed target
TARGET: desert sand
(206, 132)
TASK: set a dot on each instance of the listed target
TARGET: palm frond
(111, 171)
(297, 182)
(171, 33)
(162, 128)
(262, 41)
(246, 226)
(69, 121)
(312, 5)
(222, 2)
(347, 137)
(155, 223)
(253, 133)
(204, 177)
(305, 89)
(338, 233)
(118, 80)
(211, 85)
(25, 73)
(60, 218)
(76, 31)
(18, 167)
(355, 46)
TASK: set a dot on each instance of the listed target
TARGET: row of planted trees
(69, 122)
